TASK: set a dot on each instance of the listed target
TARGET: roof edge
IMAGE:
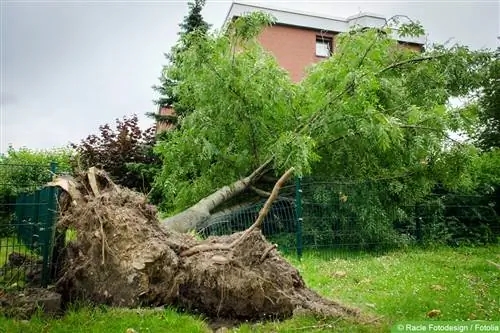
(317, 21)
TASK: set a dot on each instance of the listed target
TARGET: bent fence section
(28, 213)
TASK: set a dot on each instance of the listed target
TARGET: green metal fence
(337, 218)
(28, 213)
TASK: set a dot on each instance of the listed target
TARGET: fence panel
(339, 219)
(27, 225)
(279, 226)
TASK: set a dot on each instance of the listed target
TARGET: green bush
(25, 170)
(373, 215)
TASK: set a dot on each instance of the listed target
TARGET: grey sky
(68, 67)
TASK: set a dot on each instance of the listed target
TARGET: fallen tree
(372, 110)
(122, 256)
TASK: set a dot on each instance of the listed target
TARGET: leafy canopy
(374, 109)
(489, 107)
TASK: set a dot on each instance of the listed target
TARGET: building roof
(316, 21)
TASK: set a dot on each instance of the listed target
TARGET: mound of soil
(123, 257)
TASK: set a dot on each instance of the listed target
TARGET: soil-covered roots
(122, 256)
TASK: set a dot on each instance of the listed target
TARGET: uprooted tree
(123, 256)
(374, 109)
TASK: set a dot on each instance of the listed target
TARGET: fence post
(298, 214)
(48, 227)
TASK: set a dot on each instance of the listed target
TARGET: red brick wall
(294, 48)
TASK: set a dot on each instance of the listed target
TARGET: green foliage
(412, 29)
(488, 135)
(194, 20)
(464, 207)
(355, 215)
(372, 110)
(27, 169)
(241, 98)
(248, 27)
(453, 219)
(486, 170)
(454, 200)
(295, 150)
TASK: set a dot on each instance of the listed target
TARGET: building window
(323, 47)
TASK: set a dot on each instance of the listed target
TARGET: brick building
(299, 39)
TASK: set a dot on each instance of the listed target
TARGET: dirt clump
(122, 256)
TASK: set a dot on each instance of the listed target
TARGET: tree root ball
(123, 257)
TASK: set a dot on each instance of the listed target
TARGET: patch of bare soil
(23, 304)
(123, 257)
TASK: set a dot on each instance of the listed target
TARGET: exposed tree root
(124, 257)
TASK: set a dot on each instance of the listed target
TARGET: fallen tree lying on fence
(123, 256)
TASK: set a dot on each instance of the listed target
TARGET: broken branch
(262, 214)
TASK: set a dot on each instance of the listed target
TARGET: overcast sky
(69, 66)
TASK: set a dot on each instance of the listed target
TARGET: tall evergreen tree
(192, 23)
(194, 20)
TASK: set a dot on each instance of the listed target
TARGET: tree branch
(409, 61)
(262, 214)
(260, 192)
(336, 140)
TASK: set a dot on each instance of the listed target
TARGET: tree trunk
(195, 215)
(123, 257)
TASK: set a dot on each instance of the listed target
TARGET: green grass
(102, 319)
(459, 282)
(70, 235)
(394, 287)
(9, 245)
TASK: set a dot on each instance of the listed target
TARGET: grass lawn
(394, 287)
